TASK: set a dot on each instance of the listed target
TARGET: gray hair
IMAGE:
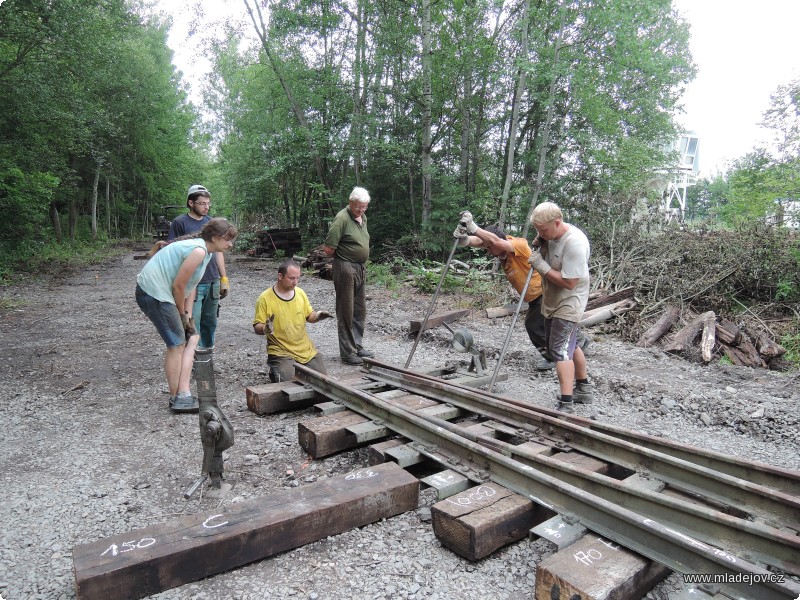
(359, 194)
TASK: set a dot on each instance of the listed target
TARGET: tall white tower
(673, 198)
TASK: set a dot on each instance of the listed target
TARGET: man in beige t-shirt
(563, 263)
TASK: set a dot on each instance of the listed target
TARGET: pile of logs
(602, 306)
(269, 241)
(319, 261)
(718, 337)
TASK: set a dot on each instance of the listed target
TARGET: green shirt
(348, 238)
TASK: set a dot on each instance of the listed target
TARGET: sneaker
(185, 404)
(364, 353)
(542, 364)
(352, 359)
(566, 407)
(171, 401)
(582, 394)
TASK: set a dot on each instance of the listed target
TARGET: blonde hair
(546, 212)
(359, 194)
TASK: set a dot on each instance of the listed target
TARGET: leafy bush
(384, 274)
(791, 342)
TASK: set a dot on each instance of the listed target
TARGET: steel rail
(767, 544)
(665, 543)
(777, 478)
(777, 508)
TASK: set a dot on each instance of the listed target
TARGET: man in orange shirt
(513, 254)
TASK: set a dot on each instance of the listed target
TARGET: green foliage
(26, 196)
(387, 275)
(88, 93)
(246, 240)
(32, 258)
(791, 341)
(11, 303)
(335, 98)
(426, 277)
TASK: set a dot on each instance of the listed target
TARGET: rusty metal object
(216, 432)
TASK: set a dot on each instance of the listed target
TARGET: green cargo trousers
(351, 304)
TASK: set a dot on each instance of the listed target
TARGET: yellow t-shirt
(516, 267)
(290, 337)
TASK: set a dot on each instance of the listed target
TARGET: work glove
(224, 287)
(537, 242)
(539, 263)
(188, 325)
(467, 223)
(269, 326)
(460, 233)
(323, 314)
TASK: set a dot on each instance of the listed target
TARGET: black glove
(188, 325)
(269, 326)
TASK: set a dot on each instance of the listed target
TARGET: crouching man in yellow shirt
(282, 312)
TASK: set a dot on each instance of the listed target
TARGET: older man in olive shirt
(348, 243)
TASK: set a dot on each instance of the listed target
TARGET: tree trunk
(427, 101)
(745, 354)
(686, 336)
(95, 184)
(551, 99)
(466, 101)
(108, 207)
(708, 338)
(262, 32)
(411, 198)
(519, 90)
(72, 221)
(767, 347)
(606, 313)
(360, 85)
(662, 326)
(728, 332)
(602, 300)
(55, 220)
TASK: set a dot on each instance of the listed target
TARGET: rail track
(731, 516)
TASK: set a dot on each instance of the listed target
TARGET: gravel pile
(89, 448)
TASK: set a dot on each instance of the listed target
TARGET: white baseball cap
(195, 189)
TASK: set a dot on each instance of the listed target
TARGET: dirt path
(89, 448)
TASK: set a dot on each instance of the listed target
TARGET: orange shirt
(516, 268)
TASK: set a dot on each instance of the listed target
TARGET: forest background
(435, 107)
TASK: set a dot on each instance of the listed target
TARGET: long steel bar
(776, 507)
(510, 330)
(768, 544)
(433, 302)
(663, 543)
(777, 478)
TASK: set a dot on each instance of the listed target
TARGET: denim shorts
(561, 338)
(165, 317)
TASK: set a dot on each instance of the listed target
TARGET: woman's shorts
(165, 317)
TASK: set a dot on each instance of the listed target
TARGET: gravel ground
(89, 448)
